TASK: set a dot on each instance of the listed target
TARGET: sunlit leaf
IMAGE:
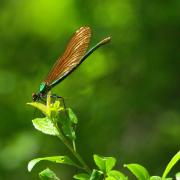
(48, 174)
(81, 176)
(45, 125)
(105, 164)
(116, 175)
(139, 171)
(159, 178)
(54, 111)
(155, 178)
(178, 176)
(40, 106)
(55, 159)
(170, 165)
(56, 106)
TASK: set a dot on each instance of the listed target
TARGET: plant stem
(76, 154)
(74, 145)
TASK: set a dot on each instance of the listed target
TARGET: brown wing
(73, 53)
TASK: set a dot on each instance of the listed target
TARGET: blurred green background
(126, 95)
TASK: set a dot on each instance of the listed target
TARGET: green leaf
(178, 176)
(155, 178)
(111, 178)
(40, 106)
(170, 165)
(105, 164)
(116, 175)
(45, 125)
(139, 171)
(72, 116)
(159, 178)
(56, 106)
(55, 159)
(81, 176)
(48, 174)
(54, 110)
(96, 175)
(67, 127)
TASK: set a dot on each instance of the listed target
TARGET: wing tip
(84, 28)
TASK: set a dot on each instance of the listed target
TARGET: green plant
(55, 124)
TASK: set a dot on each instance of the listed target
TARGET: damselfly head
(35, 96)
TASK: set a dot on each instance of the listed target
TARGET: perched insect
(74, 54)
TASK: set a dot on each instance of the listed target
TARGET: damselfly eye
(34, 96)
